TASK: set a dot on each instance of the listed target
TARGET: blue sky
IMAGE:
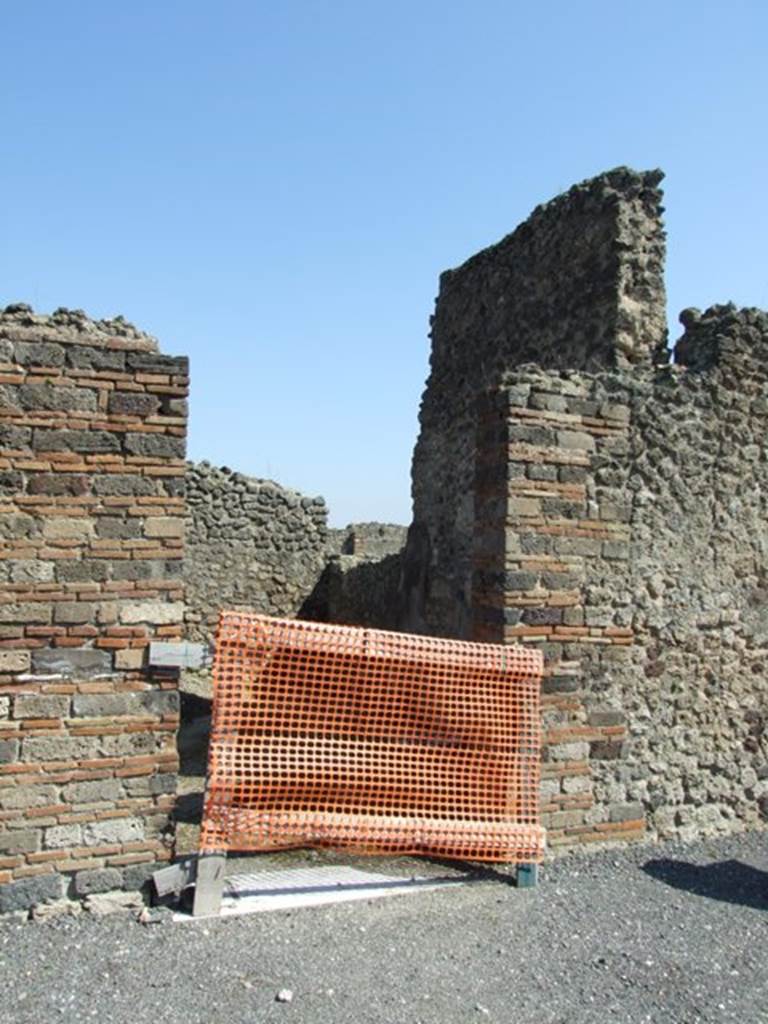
(273, 188)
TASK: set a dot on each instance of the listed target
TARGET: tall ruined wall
(250, 544)
(92, 429)
(622, 525)
(579, 284)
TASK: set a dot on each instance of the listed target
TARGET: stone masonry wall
(360, 585)
(576, 490)
(622, 525)
(250, 544)
(92, 441)
(579, 284)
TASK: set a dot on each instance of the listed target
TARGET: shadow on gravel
(474, 872)
(729, 880)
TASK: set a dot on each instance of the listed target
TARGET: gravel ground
(674, 934)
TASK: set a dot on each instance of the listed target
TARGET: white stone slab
(312, 887)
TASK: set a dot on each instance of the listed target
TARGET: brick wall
(92, 436)
(552, 531)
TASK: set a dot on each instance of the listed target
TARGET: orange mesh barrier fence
(374, 741)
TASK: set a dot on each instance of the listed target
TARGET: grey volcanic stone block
(41, 705)
(15, 437)
(131, 403)
(89, 442)
(104, 705)
(21, 841)
(42, 353)
(98, 880)
(26, 893)
(136, 876)
(82, 358)
(155, 446)
(153, 362)
(57, 399)
(97, 790)
(82, 663)
(58, 484)
(123, 485)
(9, 751)
(117, 528)
(160, 702)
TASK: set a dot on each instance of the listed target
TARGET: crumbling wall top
(19, 322)
(723, 336)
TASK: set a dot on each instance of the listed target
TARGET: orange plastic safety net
(380, 742)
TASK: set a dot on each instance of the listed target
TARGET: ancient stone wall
(616, 516)
(579, 285)
(360, 585)
(622, 525)
(250, 544)
(92, 436)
